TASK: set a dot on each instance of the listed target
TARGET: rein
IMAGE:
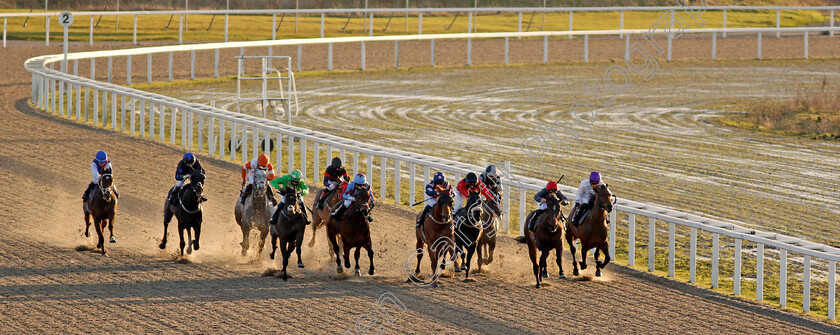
(196, 210)
(99, 184)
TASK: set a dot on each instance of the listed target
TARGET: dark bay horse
(436, 234)
(592, 232)
(188, 213)
(468, 226)
(102, 206)
(547, 235)
(490, 228)
(289, 229)
(355, 232)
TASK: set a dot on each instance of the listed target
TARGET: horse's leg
(111, 229)
(167, 217)
(369, 248)
(100, 225)
(491, 246)
(532, 253)
(87, 224)
(197, 230)
(274, 239)
(346, 253)
(181, 236)
(263, 234)
(189, 240)
(600, 265)
(543, 265)
(246, 235)
(478, 255)
(470, 251)
(573, 251)
(584, 248)
(433, 258)
(419, 246)
(334, 243)
(559, 251)
(298, 244)
(286, 247)
(316, 221)
(356, 255)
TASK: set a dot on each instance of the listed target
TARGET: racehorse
(188, 213)
(321, 216)
(436, 233)
(547, 235)
(255, 213)
(354, 229)
(592, 232)
(490, 228)
(468, 226)
(289, 229)
(102, 206)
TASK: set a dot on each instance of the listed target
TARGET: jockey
(100, 165)
(491, 179)
(186, 166)
(333, 176)
(359, 184)
(438, 183)
(248, 170)
(550, 188)
(586, 195)
(291, 181)
(470, 183)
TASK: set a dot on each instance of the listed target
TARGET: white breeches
(459, 202)
(180, 183)
(542, 206)
(347, 203)
(431, 202)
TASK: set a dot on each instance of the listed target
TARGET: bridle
(105, 191)
(192, 187)
(291, 207)
(440, 203)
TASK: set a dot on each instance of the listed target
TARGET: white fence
(370, 14)
(203, 129)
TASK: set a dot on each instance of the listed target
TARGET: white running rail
(203, 129)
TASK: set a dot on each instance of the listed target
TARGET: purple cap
(595, 177)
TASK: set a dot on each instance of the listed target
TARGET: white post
(222, 138)
(170, 66)
(585, 47)
(316, 162)
(692, 265)
(104, 108)
(90, 31)
(545, 49)
(355, 162)
(211, 134)
(142, 118)
(192, 64)
(180, 29)
(396, 55)
(778, 19)
(173, 118)
(61, 98)
(303, 157)
(832, 283)
(226, 27)
(469, 51)
(273, 24)
(522, 214)
(383, 168)
(469, 22)
(507, 48)
(135, 29)
(371, 24)
(570, 23)
(714, 46)
(300, 54)
(279, 154)
(715, 258)
(759, 273)
(759, 45)
(724, 23)
(621, 23)
(132, 116)
(114, 111)
(736, 277)
(397, 175)
(831, 33)
(433, 52)
(370, 169)
(411, 182)
(47, 22)
(651, 244)
(329, 57)
(806, 45)
(669, 47)
(806, 285)
(519, 24)
(291, 154)
(782, 277)
(149, 68)
(215, 64)
(152, 123)
(128, 70)
(420, 24)
(95, 105)
(322, 25)
(506, 221)
(4, 31)
(631, 240)
(671, 247)
(363, 55)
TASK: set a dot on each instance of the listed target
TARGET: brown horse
(102, 206)
(188, 213)
(490, 228)
(437, 234)
(288, 228)
(355, 232)
(547, 235)
(592, 232)
(321, 215)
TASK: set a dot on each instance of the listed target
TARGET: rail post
(397, 177)
(631, 239)
(736, 276)
(383, 170)
(671, 247)
(715, 258)
(783, 278)
(411, 186)
(692, 266)
(759, 273)
(363, 55)
(507, 48)
(724, 23)
(806, 285)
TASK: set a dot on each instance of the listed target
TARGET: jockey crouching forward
(586, 196)
(438, 183)
(470, 183)
(550, 188)
(100, 165)
(248, 171)
(333, 176)
(290, 183)
(359, 184)
(185, 168)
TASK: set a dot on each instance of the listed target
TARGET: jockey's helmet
(189, 159)
(552, 185)
(439, 178)
(101, 158)
(262, 160)
(295, 175)
(360, 179)
(594, 177)
(336, 162)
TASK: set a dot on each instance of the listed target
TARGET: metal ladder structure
(288, 98)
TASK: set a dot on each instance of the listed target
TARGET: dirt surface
(47, 286)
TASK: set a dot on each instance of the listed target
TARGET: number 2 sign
(65, 19)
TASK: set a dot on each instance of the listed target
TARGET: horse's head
(553, 211)
(259, 180)
(106, 180)
(604, 198)
(474, 208)
(197, 183)
(444, 204)
(290, 199)
(363, 203)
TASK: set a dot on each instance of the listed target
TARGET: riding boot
(87, 191)
(423, 216)
(578, 216)
(270, 195)
(533, 222)
(339, 212)
(305, 216)
(117, 194)
(246, 193)
(370, 218)
(174, 196)
(274, 217)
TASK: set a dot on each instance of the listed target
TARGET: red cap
(552, 185)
